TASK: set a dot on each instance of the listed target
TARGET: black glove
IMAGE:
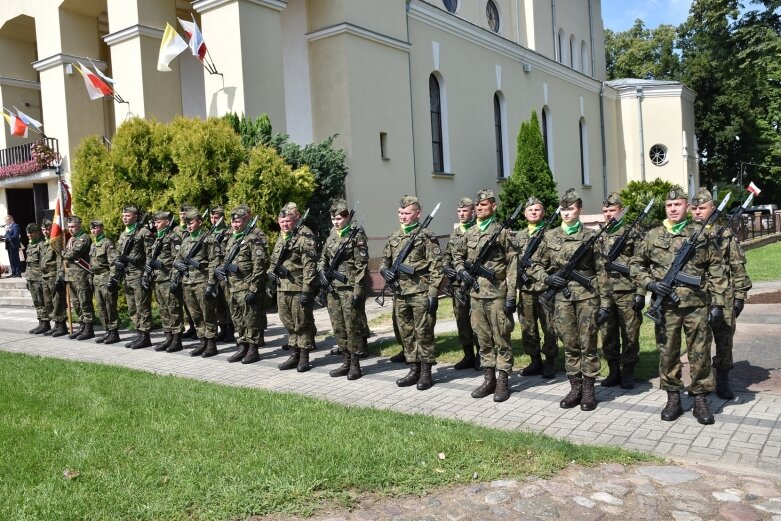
(737, 307)
(250, 298)
(219, 272)
(638, 303)
(180, 266)
(306, 299)
(387, 275)
(59, 284)
(556, 281)
(510, 305)
(466, 277)
(602, 316)
(358, 302)
(155, 264)
(273, 280)
(715, 316)
(111, 285)
(432, 303)
(119, 265)
(661, 288)
(323, 278)
(450, 271)
(211, 292)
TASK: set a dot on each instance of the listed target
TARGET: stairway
(13, 292)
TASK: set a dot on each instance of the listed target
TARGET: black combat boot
(176, 343)
(549, 367)
(588, 401)
(45, 328)
(33, 330)
(425, 381)
(701, 410)
(59, 329)
(162, 346)
(723, 388)
(673, 410)
(252, 354)
(614, 374)
(355, 367)
(303, 361)
(575, 393)
(261, 340)
(343, 369)
(190, 333)
(143, 341)
(133, 340)
(628, 376)
(112, 337)
(468, 362)
(502, 391)
(292, 361)
(198, 351)
(534, 368)
(412, 377)
(399, 357)
(77, 332)
(211, 348)
(285, 347)
(88, 333)
(230, 336)
(238, 355)
(40, 327)
(489, 384)
(102, 338)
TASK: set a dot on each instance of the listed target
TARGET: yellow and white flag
(171, 46)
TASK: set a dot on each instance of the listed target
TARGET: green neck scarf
(81, 232)
(408, 228)
(675, 229)
(616, 226)
(344, 231)
(238, 236)
(287, 235)
(196, 233)
(465, 226)
(533, 228)
(484, 224)
(35, 241)
(131, 228)
(99, 237)
(160, 233)
(575, 228)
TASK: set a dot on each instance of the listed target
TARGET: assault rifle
(477, 267)
(332, 272)
(569, 272)
(189, 260)
(735, 215)
(676, 274)
(525, 261)
(620, 244)
(398, 263)
(153, 264)
(120, 263)
(279, 271)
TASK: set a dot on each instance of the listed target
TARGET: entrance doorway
(21, 204)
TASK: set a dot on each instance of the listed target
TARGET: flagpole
(61, 217)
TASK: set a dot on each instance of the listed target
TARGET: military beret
(676, 193)
(612, 200)
(531, 201)
(239, 212)
(338, 207)
(163, 215)
(32, 228)
(94, 223)
(569, 198)
(218, 210)
(485, 194)
(130, 208)
(290, 207)
(185, 207)
(46, 223)
(191, 214)
(701, 197)
(408, 200)
(74, 219)
(465, 202)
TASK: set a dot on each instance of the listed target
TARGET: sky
(620, 15)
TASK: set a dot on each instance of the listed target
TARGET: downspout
(517, 24)
(602, 132)
(553, 26)
(411, 112)
(642, 137)
(591, 40)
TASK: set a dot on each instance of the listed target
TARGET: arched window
(437, 142)
(585, 59)
(584, 173)
(561, 46)
(492, 15)
(451, 5)
(573, 52)
(500, 126)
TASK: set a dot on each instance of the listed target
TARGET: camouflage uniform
(102, 255)
(54, 296)
(77, 278)
(139, 300)
(221, 309)
(169, 300)
(34, 276)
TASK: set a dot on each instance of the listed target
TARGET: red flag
(96, 87)
(197, 45)
(16, 125)
(63, 198)
(754, 189)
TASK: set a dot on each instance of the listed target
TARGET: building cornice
(679, 91)
(360, 32)
(24, 84)
(129, 33)
(56, 60)
(10, 182)
(203, 6)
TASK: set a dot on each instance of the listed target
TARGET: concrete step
(13, 292)
(16, 302)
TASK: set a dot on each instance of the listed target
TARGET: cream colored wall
(381, 16)
(10, 97)
(17, 57)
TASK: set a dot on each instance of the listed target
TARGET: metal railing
(23, 153)
(757, 225)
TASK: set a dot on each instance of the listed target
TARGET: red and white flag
(30, 122)
(96, 87)
(754, 189)
(16, 125)
(58, 221)
(197, 45)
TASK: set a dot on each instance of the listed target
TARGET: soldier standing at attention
(169, 301)
(183, 209)
(466, 336)
(531, 312)
(34, 278)
(101, 256)
(53, 285)
(648, 267)
(294, 292)
(345, 303)
(738, 286)
(577, 316)
(415, 301)
(493, 301)
(243, 288)
(222, 313)
(78, 277)
(625, 301)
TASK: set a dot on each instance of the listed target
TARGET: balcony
(23, 160)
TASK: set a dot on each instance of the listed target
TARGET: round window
(492, 14)
(658, 155)
(451, 5)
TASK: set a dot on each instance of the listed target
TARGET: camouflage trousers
(201, 309)
(221, 308)
(493, 328)
(35, 287)
(723, 337)
(466, 335)
(298, 320)
(416, 327)
(245, 319)
(81, 299)
(106, 303)
(576, 326)
(621, 332)
(139, 304)
(694, 323)
(345, 320)
(169, 303)
(531, 313)
(54, 300)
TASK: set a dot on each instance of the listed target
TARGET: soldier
(466, 336)
(34, 278)
(102, 255)
(578, 315)
(53, 284)
(183, 209)
(415, 301)
(345, 303)
(195, 282)
(167, 246)
(625, 301)
(531, 312)
(493, 300)
(738, 286)
(78, 277)
(138, 239)
(294, 292)
(691, 314)
(245, 285)
(222, 313)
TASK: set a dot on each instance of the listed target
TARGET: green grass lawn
(86, 441)
(764, 263)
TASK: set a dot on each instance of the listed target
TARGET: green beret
(531, 201)
(465, 202)
(130, 208)
(239, 212)
(218, 210)
(408, 200)
(185, 207)
(569, 198)
(163, 215)
(192, 214)
(94, 223)
(701, 197)
(32, 228)
(484, 194)
(612, 200)
(74, 219)
(676, 193)
(338, 207)
(46, 223)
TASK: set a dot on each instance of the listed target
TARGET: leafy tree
(640, 52)
(636, 195)
(531, 175)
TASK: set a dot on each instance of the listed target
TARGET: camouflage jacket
(206, 257)
(169, 251)
(101, 256)
(656, 253)
(33, 256)
(137, 256)
(251, 261)
(452, 244)
(425, 258)
(522, 237)
(355, 261)
(300, 261)
(738, 281)
(502, 260)
(77, 249)
(620, 282)
(51, 262)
